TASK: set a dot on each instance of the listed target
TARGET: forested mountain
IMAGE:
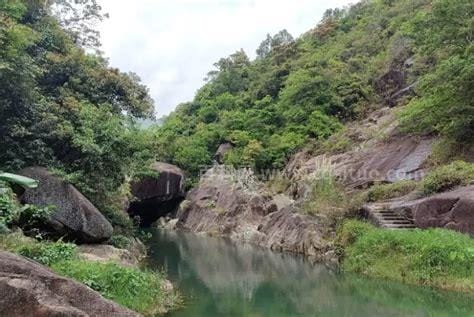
(369, 115)
(417, 54)
(66, 109)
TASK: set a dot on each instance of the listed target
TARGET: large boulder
(155, 196)
(74, 217)
(221, 152)
(30, 289)
(233, 204)
(450, 210)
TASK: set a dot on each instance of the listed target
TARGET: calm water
(220, 278)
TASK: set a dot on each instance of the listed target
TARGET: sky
(173, 44)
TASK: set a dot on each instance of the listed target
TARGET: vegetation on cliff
(413, 53)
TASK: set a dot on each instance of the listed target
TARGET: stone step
(393, 214)
(389, 216)
(390, 219)
(399, 226)
(398, 222)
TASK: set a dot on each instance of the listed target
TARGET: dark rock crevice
(156, 196)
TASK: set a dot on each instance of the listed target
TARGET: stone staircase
(389, 219)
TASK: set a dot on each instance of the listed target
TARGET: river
(218, 277)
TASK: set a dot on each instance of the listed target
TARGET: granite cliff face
(235, 204)
(238, 206)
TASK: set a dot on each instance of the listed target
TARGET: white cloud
(172, 45)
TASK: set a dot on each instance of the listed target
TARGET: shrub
(49, 253)
(328, 197)
(350, 232)
(141, 291)
(446, 151)
(278, 184)
(119, 241)
(389, 191)
(32, 218)
(9, 208)
(458, 173)
(436, 257)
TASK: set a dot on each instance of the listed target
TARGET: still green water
(218, 277)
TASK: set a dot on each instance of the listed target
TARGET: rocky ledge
(236, 206)
(450, 210)
(30, 289)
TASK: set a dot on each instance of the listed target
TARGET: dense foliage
(303, 89)
(61, 107)
(27, 217)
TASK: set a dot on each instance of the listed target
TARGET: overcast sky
(172, 44)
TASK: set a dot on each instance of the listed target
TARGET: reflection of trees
(244, 281)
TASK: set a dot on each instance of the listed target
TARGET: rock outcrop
(225, 205)
(74, 217)
(399, 158)
(108, 253)
(155, 196)
(221, 152)
(450, 210)
(30, 289)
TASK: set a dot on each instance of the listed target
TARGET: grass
(139, 290)
(435, 257)
(134, 288)
(446, 150)
(388, 191)
(439, 179)
(278, 184)
(328, 197)
(446, 177)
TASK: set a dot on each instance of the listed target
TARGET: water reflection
(222, 278)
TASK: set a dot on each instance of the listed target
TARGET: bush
(389, 191)
(120, 241)
(458, 173)
(328, 197)
(9, 208)
(141, 291)
(446, 151)
(28, 217)
(49, 253)
(436, 257)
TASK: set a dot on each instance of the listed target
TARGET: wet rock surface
(74, 217)
(30, 289)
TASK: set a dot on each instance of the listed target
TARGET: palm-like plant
(19, 180)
